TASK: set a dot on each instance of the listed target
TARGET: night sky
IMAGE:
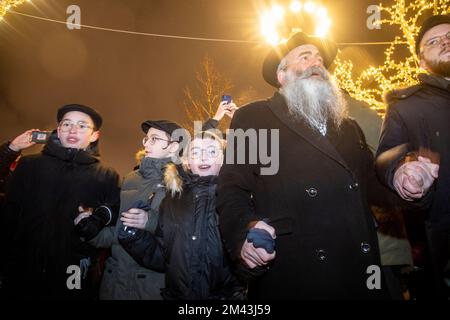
(132, 78)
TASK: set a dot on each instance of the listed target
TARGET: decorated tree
(375, 81)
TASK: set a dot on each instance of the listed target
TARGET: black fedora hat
(428, 24)
(95, 116)
(327, 48)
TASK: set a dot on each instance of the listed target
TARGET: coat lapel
(280, 110)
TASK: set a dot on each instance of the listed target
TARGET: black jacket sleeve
(12, 218)
(144, 247)
(394, 147)
(210, 124)
(7, 157)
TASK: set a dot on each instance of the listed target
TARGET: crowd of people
(193, 221)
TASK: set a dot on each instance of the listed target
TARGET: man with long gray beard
(305, 232)
(413, 157)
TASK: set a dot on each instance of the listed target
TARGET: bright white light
(321, 31)
(268, 25)
(296, 6)
(274, 17)
(277, 12)
(310, 7)
(322, 13)
(326, 23)
(273, 38)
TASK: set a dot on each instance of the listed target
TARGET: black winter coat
(418, 118)
(187, 245)
(7, 157)
(317, 202)
(41, 205)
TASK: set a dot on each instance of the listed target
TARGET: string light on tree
(374, 82)
(6, 5)
(279, 23)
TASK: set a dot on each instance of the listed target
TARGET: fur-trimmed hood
(176, 178)
(172, 179)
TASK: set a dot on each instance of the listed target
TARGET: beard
(441, 68)
(314, 100)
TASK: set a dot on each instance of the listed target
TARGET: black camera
(40, 136)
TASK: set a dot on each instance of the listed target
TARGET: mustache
(313, 70)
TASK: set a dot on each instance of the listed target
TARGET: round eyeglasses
(436, 41)
(153, 140)
(67, 125)
(211, 152)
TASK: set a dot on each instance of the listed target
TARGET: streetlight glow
(310, 7)
(273, 18)
(296, 7)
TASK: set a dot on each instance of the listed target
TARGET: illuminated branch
(6, 5)
(393, 73)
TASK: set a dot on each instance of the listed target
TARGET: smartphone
(40, 136)
(226, 98)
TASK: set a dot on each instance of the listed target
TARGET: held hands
(413, 179)
(257, 257)
(136, 218)
(22, 141)
(225, 109)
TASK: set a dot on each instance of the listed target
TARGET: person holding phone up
(45, 193)
(11, 150)
(226, 107)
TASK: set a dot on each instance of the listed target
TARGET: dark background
(132, 78)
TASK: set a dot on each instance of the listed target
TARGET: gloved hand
(261, 239)
(89, 227)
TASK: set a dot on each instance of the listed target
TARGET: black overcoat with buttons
(317, 202)
(418, 117)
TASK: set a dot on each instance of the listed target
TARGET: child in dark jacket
(187, 245)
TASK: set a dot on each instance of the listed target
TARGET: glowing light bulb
(277, 12)
(296, 7)
(310, 7)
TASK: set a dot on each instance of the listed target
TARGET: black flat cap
(428, 24)
(164, 125)
(95, 116)
(327, 48)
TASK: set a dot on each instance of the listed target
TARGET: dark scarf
(54, 148)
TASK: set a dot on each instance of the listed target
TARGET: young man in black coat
(45, 257)
(413, 157)
(299, 220)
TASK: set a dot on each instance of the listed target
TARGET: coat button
(354, 186)
(365, 247)
(194, 238)
(321, 255)
(312, 192)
